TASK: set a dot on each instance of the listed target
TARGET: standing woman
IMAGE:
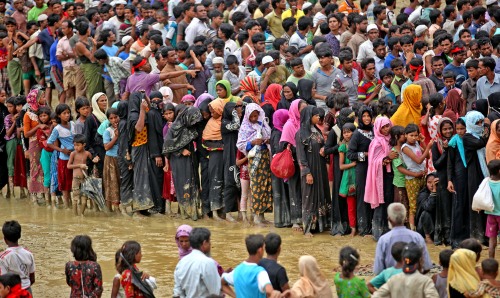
(202, 154)
(95, 144)
(358, 152)
(379, 191)
(271, 99)
(446, 129)
(493, 146)
(229, 129)
(124, 158)
(4, 175)
(475, 141)
(84, 50)
(253, 140)
(138, 131)
(339, 206)
(290, 129)
(455, 106)
(35, 99)
(280, 189)
(179, 147)
(288, 95)
(306, 91)
(212, 141)
(316, 202)
(250, 90)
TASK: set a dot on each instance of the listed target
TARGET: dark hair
(177, 11)
(448, 10)
(490, 266)
(472, 244)
(474, 63)
(448, 75)
(345, 56)
(366, 62)
(478, 11)
(392, 41)
(128, 252)
(111, 111)
(435, 100)
(44, 110)
(100, 54)
(253, 242)
(401, 19)
(250, 24)
(238, 16)
(11, 231)
(304, 22)
(11, 100)
(378, 42)
(396, 132)
(198, 236)
(227, 30)
(273, 243)
(258, 37)
(157, 39)
(436, 59)
(444, 257)
(287, 23)
(296, 62)
(10, 279)
(53, 19)
(10, 21)
(419, 45)
(348, 259)
(20, 100)
(324, 52)
(488, 62)
(494, 165)
(378, 9)
(231, 59)
(406, 39)
(79, 139)
(398, 247)
(81, 102)
(82, 28)
(182, 46)
(397, 62)
(411, 128)
(60, 109)
(81, 247)
(292, 50)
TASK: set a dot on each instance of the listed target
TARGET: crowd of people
(206, 104)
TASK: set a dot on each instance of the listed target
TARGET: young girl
(182, 240)
(117, 289)
(20, 175)
(131, 253)
(11, 142)
(111, 172)
(397, 140)
(256, 132)
(168, 192)
(63, 132)
(10, 287)
(42, 135)
(437, 106)
(348, 184)
(242, 163)
(414, 157)
(346, 283)
(84, 275)
(82, 107)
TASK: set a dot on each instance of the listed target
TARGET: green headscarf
(229, 96)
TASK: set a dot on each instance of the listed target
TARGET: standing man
(274, 18)
(179, 84)
(324, 76)
(119, 18)
(489, 82)
(36, 10)
(360, 36)
(197, 26)
(349, 79)
(366, 48)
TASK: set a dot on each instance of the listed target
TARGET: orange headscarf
(250, 88)
(273, 95)
(493, 145)
(411, 107)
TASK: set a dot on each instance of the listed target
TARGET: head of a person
(486, 66)
(7, 282)
(272, 244)
(130, 254)
(412, 255)
(396, 213)
(489, 268)
(349, 259)
(361, 23)
(81, 248)
(494, 165)
(368, 66)
(444, 258)
(325, 57)
(397, 250)
(255, 245)
(200, 240)
(11, 231)
(473, 245)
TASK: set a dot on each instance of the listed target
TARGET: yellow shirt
(258, 14)
(288, 13)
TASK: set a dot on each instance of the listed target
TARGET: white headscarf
(100, 115)
(166, 91)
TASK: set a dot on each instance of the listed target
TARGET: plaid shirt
(117, 71)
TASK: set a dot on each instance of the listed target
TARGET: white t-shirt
(20, 261)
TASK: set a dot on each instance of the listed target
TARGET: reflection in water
(48, 234)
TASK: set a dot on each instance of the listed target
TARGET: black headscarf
(123, 143)
(305, 91)
(183, 129)
(305, 123)
(481, 105)
(361, 125)
(134, 108)
(155, 125)
(284, 103)
(156, 100)
(346, 115)
(494, 103)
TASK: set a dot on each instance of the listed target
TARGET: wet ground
(48, 234)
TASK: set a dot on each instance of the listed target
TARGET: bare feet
(353, 232)
(206, 217)
(308, 235)
(230, 218)
(216, 216)
(428, 239)
(297, 228)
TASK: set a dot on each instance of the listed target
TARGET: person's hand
(159, 161)
(192, 54)
(42, 126)
(95, 159)
(144, 276)
(165, 168)
(186, 152)
(393, 154)
(286, 294)
(15, 116)
(84, 167)
(66, 151)
(191, 87)
(354, 163)
(133, 21)
(257, 142)
(144, 106)
(434, 185)
(37, 73)
(377, 88)
(366, 154)
(192, 72)
(429, 146)
(309, 179)
(117, 133)
(271, 70)
(322, 151)
(428, 107)
(450, 187)
(309, 48)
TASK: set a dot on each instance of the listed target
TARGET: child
(397, 67)
(440, 279)
(131, 253)
(346, 283)
(379, 280)
(77, 164)
(277, 273)
(248, 278)
(20, 177)
(387, 76)
(82, 107)
(117, 289)
(242, 163)
(11, 143)
(469, 86)
(83, 275)
(414, 159)
(16, 259)
(63, 132)
(348, 183)
(449, 83)
(168, 192)
(491, 227)
(111, 172)
(10, 287)
(488, 285)
(42, 135)
(397, 140)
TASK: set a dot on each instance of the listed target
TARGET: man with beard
(366, 48)
(380, 51)
(197, 26)
(149, 51)
(119, 17)
(94, 18)
(359, 37)
(179, 84)
(217, 74)
(437, 72)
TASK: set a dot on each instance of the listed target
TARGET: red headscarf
(273, 95)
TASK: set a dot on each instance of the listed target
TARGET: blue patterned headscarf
(457, 142)
(471, 118)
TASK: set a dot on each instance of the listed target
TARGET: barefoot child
(379, 280)
(42, 135)
(346, 283)
(492, 226)
(78, 165)
(488, 285)
(168, 192)
(242, 163)
(111, 172)
(11, 143)
(117, 289)
(440, 279)
(22, 144)
(348, 183)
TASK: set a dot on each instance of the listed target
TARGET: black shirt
(437, 82)
(276, 272)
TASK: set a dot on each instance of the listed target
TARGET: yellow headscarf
(462, 275)
(411, 107)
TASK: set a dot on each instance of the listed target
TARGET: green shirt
(399, 178)
(384, 276)
(34, 12)
(351, 288)
(296, 80)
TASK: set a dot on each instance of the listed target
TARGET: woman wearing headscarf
(312, 282)
(95, 143)
(306, 92)
(314, 177)
(271, 99)
(202, 154)
(168, 95)
(138, 134)
(379, 192)
(462, 274)
(411, 107)
(4, 175)
(155, 143)
(204, 97)
(253, 140)
(493, 145)
(494, 106)
(446, 130)
(290, 129)
(475, 154)
(182, 239)
(280, 189)
(179, 147)
(124, 158)
(250, 90)
(229, 129)
(35, 99)
(358, 151)
(288, 95)
(455, 106)
(212, 141)
(223, 89)
(339, 215)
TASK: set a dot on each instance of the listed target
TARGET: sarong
(142, 198)
(111, 180)
(260, 182)
(36, 173)
(93, 78)
(15, 73)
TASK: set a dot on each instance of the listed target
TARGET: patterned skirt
(260, 182)
(36, 172)
(111, 180)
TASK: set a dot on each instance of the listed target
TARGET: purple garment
(202, 98)
(142, 81)
(334, 43)
(183, 230)
(7, 125)
(165, 129)
(200, 81)
(409, 10)
(279, 119)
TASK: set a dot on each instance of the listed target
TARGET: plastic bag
(483, 198)
(282, 164)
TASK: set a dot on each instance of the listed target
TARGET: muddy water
(48, 234)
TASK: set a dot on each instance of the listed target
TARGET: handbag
(483, 198)
(282, 164)
(42, 140)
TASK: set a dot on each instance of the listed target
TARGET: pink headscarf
(184, 230)
(378, 150)
(188, 97)
(280, 117)
(292, 125)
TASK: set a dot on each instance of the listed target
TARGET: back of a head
(490, 267)
(397, 250)
(273, 243)
(396, 212)
(411, 257)
(444, 257)
(308, 266)
(81, 247)
(198, 236)
(253, 243)
(494, 165)
(348, 259)
(11, 231)
(10, 279)
(473, 245)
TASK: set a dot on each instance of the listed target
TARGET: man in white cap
(124, 50)
(422, 33)
(119, 18)
(366, 48)
(260, 65)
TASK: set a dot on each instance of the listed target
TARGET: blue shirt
(65, 137)
(106, 137)
(111, 51)
(123, 55)
(460, 73)
(484, 88)
(388, 59)
(46, 40)
(53, 58)
(245, 279)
